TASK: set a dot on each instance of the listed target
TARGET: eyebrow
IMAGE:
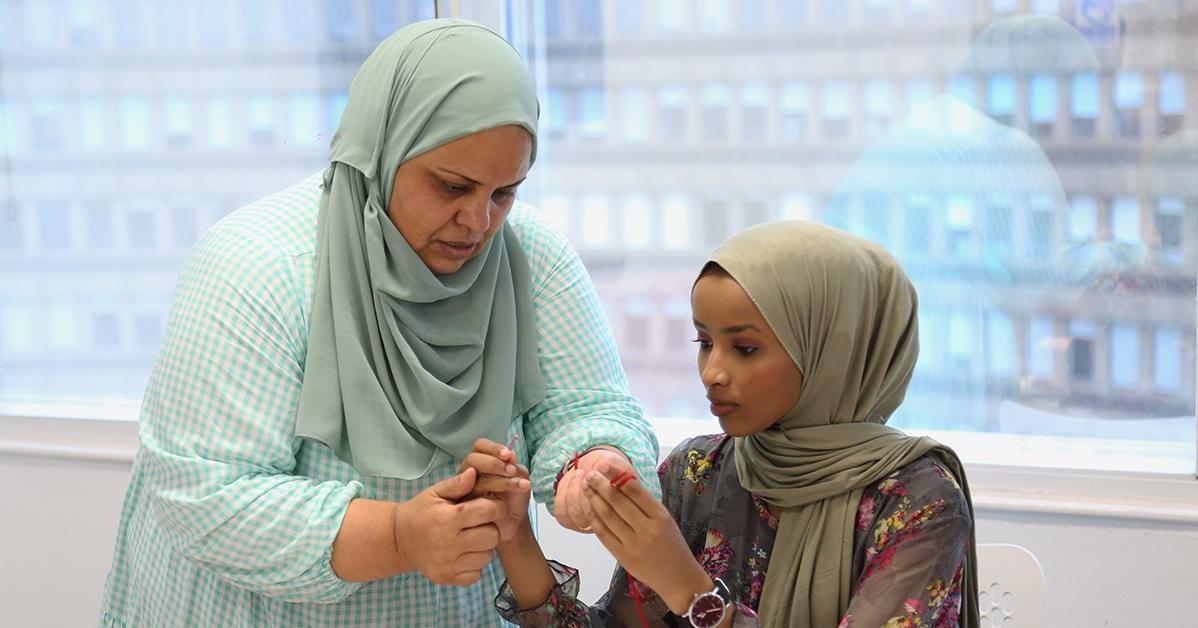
(732, 329)
(476, 182)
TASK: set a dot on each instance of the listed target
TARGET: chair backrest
(1012, 592)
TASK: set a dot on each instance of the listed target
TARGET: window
(634, 114)
(556, 113)
(303, 120)
(93, 124)
(1003, 6)
(1042, 105)
(214, 23)
(630, 17)
(128, 23)
(45, 122)
(97, 216)
(1171, 101)
(835, 109)
(340, 21)
(714, 219)
(714, 112)
(54, 227)
(256, 18)
(178, 114)
(1083, 104)
(1041, 231)
(596, 222)
(135, 124)
(1125, 221)
(712, 16)
(1125, 356)
(638, 315)
(1170, 225)
(669, 16)
(260, 120)
(1167, 367)
(592, 116)
(1129, 99)
(959, 239)
(218, 122)
(676, 214)
(1081, 349)
(1083, 219)
(1040, 347)
(754, 111)
(752, 15)
(878, 107)
(1001, 358)
(636, 212)
(795, 102)
(671, 113)
(1000, 98)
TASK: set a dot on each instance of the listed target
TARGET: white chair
(1012, 592)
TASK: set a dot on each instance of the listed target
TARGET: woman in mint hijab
(334, 352)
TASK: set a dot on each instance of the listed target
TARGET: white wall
(59, 519)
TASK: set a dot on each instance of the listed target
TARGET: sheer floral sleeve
(915, 529)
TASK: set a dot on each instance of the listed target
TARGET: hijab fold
(846, 314)
(406, 368)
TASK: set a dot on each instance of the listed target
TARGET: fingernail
(504, 453)
(510, 469)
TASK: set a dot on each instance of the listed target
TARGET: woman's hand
(445, 535)
(500, 477)
(640, 533)
(570, 505)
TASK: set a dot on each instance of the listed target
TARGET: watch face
(707, 611)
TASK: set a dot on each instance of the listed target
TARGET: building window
(712, 16)
(669, 16)
(141, 228)
(592, 115)
(1040, 352)
(255, 19)
(754, 210)
(1083, 219)
(676, 217)
(18, 329)
(97, 216)
(1083, 105)
(1166, 354)
(1052, 7)
(303, 120)
(596, 222)
(638, 314)
(54, 227)
(634, 114)
(1125, 220)
(959, 227)
(128, 23)
(1125, 356)
(836, 105)
(301, 22)
(917, 226)
(878, 106)
(714, 221)
(995, 230)
(260, 118)
(556, 113)
(630, 16)
(93, 124)
(835, 12)
(754, 111)
(1081, 349)
(45, 125)
(1041, 229)
(184, 222)
(62, 328)
(752, 15)
(106, 330)
(960, 340)
(178, 116)
(1128, 100)
(794, 105)
(1001, 98)
(1171, 101)
(1000, 345)
(147, 330)
(1042, 105)
(1170, 225)
(340, 21)
(713, 98)
(998, 7)
(671, 113)
(218, 123)
(135, 124)
(636, 215)
(556, 209)
(214, 22)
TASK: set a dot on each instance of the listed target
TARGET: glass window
(303, 120)
(260, 119)
(141, 227)
(588, 17)
(878, 105)
(676, 213)
(1000, 96)
(147, 329)
(556, 209)
(106, 330)
(18, 329)
(1125, 355)
(1125, 220)
(135, 124)
(1083, 104)
(637, 215)
(45, 122)
(1040, 338)
(712, 16)
(1042, 98)
(62, 328)
(1129, 90)
(1046, 6)
(959, 227)
(713, 98)
(127, 23)
(1172, 94)
(752, 14)
(1083, 219)
(84, 20)
(1170, 225)
(1003, 6)
(177, 111)
(300, 25)
(214, 22)
(340, 21)
(1167, 359)
(93, 124)
(556, 112)
(794, 104)
(98, 218)
(1000, 345)
(1081, 349)
(630, 16)
(41, 25)
(754, 111)
(671, 112)
(592, 114)
(596, 222)
(218, 122)
(256, 20)
(54, 226)
(669, 16)
(836, 105)
(634, 114)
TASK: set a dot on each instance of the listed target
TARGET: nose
(475, 215)
(712, 371)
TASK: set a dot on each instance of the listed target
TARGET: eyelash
(705, 345)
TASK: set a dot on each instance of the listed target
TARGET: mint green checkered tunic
(229, 518)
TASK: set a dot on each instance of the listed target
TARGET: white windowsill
(1169, 499)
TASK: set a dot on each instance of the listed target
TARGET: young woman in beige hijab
(808, 510)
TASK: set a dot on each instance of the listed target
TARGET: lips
(719, 407)
(458, 250)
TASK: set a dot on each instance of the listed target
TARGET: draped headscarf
(406, 368)
(846, 314)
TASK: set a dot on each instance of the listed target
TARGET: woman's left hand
(643, 537)
(570, 504)
(502, 477)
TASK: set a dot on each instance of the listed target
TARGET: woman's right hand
(500, 477)
(446, 535)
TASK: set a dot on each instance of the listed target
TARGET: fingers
(488, 484)
(494, 449)
(478, 511)
(456, 487)
(611, 520)
(580, 506)
(481, 538)
(487, 463)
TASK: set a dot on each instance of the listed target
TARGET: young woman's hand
(642, 536)
(570, 505)
(502, 478)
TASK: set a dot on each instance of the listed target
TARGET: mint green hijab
(406, 368)
(846, 314)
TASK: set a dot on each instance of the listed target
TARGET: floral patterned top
(909, 548)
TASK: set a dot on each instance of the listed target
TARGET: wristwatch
(707, 610)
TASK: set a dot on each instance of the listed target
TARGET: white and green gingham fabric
(229, 518)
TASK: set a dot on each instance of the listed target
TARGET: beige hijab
(846, 313)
